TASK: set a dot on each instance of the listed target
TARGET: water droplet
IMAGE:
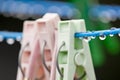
(113, 28)
(1, 38)
(111, 35)
(87, 39)
(10, 41)
(102, 37)
(93, 37)
(119, 34)
(18, 38)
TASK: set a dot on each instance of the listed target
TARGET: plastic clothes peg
(55, 21)
(52, 20)
(74, 59)
(30, 54)
(44, 33)
(46, 30)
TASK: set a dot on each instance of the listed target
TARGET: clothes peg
(55, 21)
(41, 43)
(73, 59)
(29, 33)
(48, 35)
(30, 54)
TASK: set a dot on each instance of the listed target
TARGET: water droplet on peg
(87, 39)
(102, 37)
(1, 38)
(10, 41)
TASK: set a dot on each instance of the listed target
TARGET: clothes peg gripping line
(74, 58)
(33, 69)
(44, 31)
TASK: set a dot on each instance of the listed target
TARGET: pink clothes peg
(31, 62)
(48, 36)
(40, 35)
(34, 63)
(46, 30)
(29, 32)
(55, 19)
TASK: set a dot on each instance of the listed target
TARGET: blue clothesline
(98, 33)
(24, 9)
(106, 12)
(15, 35)
(7, 35)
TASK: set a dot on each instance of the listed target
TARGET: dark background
(9, 54)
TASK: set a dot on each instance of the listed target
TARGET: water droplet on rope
(93, 37)
(1, 38)
(18, 38)
(10, 41)
(87, 39)
(102, 37)
(119, 34)
(111, 35)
